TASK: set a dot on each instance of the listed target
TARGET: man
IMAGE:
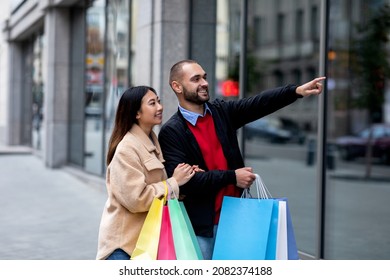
(204, 133)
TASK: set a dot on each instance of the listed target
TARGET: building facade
(65, 64)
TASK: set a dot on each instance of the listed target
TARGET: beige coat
(134, 177)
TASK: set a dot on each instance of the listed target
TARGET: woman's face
(150, 112)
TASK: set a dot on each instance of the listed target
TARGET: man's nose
(204, 83)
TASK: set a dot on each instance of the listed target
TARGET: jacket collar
(151, 146)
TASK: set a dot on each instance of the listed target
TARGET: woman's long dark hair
(126, 112)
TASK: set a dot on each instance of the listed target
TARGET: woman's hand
(197, 169)
(183, 173)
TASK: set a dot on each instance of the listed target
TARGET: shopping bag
(250, 231)
(194, 239)
(281, 244)
(146, 247)
(273, 232)
(243, 229)
(292, 250)
(166, 247)
(184, 239)
(284, 246)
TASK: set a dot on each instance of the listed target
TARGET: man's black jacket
(179, 145)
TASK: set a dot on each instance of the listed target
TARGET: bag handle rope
(261, 189)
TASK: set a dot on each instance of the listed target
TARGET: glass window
(93, 148)
(37, 92)
(299, 25)
(314, 23)
(277, 146)
(280, 28)
(282, 146)
(228, 48)
(356, 217)
(117, 60)
(107, 75)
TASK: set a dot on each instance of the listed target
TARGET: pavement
(47, 214)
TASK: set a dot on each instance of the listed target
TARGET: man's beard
(193, 97)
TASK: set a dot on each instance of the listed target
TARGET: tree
(372, 67)
(371, 62)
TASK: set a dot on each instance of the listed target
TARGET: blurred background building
(65, 63)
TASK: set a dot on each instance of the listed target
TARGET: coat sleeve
(179, 146)
(254, 107)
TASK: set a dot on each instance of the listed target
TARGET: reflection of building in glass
(228, 43)
(283, 46)
(94, 58)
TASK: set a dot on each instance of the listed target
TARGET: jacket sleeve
(179, 146)
(254, 107)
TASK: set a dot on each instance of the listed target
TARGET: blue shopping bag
(273, 231)
(243, 229)
(291, 252)
(255, 228)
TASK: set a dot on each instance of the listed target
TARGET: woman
(135, 172)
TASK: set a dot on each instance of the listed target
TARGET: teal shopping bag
(184, 239)
(243, 230)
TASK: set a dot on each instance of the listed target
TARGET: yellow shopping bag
(146, 247)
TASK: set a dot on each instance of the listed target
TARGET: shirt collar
(192, 117)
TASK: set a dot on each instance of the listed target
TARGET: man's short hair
(176, 72)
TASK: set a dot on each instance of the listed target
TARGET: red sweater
(212, 152)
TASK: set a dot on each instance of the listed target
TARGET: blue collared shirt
(192, 117)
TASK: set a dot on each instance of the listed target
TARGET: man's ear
(176, 87)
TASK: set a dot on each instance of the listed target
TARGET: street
(47, 214)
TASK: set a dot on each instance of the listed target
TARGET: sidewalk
(46, 213)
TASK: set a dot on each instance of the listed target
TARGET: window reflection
(117, 60)
(107, 75)
(281, 50)
(37, 92)
(283, 44)
(94, 87)
(356, 221)
(228, 48)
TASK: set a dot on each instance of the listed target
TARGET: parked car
(353, 146)
(275, 130)
(297, 134)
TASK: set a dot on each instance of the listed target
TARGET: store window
(276, 146)
(282, 146)
(228, 49)
(94, 87)
(38, 75)
(356, 217)
(107, 75)
(117, 61)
